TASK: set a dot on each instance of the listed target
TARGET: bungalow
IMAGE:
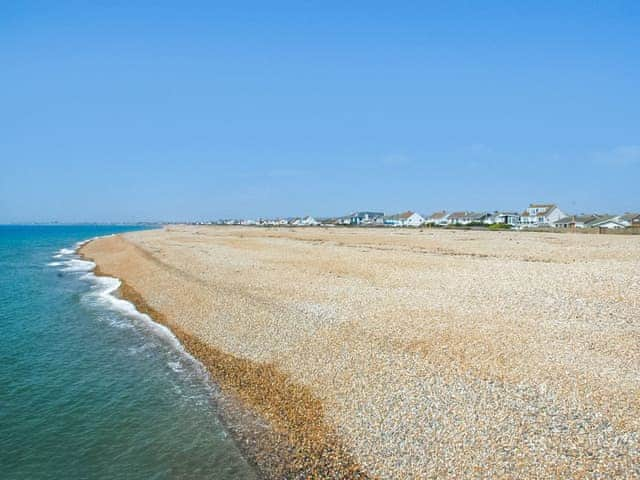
(365, 218)
(466, 218)
(576, 221)
(507, 218)
(482, 217)
(540, 215)
(405, 219)
(458, 218)
(630, 219)
(309, 221)
(438, 218)
(613, 223)
(329, 221)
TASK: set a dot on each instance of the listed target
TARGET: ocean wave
(103, 293)
(176, 366)
(77, 265)
(81, 243)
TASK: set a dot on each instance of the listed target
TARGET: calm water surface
(89, 388)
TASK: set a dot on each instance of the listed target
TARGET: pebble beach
(404, 353)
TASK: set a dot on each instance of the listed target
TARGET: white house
(508, 218)
(458, 218)
(309, 221)
(540, 215)
(364, 218)
(414, 220)
(466, 218)
(576, 221)
(629, 219)
(613, 223)
(405, 219)
(438, 218)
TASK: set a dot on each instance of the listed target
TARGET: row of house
(534, 216)
(307, 221)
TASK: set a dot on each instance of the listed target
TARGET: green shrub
(499, 226)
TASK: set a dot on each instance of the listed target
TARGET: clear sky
(123, 111)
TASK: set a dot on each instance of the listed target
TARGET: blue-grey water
(89, 389)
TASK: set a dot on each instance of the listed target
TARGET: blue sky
(123, 111)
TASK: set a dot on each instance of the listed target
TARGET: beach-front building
(598, 221)
(577, 221)
(309, 221)
(437, 218)
(404, 219)
(485, 218)
(630, 219)
(610, 222)
(364, 218)
(540, 215)
(507, 218)
(458, 218)
(274, 222)
(468, 218)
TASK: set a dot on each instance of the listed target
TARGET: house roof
(469, 215)
(578, 219)
(400, 216)
(542, 205)
(602, 219)
(367, 214)
(438, 215)
(630, 217)
(547, 207)
(608, 220)
(478, 215)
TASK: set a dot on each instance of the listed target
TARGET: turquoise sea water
(89, 388)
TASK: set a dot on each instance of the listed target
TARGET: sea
(89, 387)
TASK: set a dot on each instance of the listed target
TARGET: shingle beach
(397, 353)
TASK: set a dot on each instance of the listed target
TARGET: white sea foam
(55, 264)
(103, 293)
(175, 366)
(77, 265)
(84, 242)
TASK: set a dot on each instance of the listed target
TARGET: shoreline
(256, 409)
